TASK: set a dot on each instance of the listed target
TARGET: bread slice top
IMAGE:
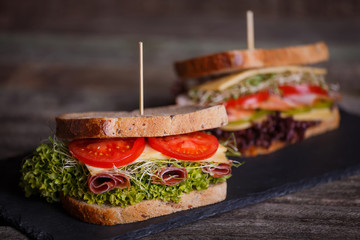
(156, 122)
(238, 60)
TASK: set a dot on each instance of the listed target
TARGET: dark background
(61, 56)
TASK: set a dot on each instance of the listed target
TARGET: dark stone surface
(296, 167)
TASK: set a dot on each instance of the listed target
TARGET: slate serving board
(320, 159)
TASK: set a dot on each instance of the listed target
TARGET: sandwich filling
(124, 171)
(268, 104)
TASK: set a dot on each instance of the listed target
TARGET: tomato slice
(192, 146)
(107, 153)
(250, 101)
(301, 89)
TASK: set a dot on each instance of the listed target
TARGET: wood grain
(329, 211)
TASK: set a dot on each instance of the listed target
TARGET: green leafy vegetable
(52, 170)
(254, 84)
(231, 146)
(258, 79)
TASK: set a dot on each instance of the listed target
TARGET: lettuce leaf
(52, 170)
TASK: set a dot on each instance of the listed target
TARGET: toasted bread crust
(326, 125)
(163, 121)
(109, 215)
(237, 60)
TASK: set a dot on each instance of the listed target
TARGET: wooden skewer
(250, 30)
(141, 80)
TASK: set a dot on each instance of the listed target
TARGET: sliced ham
(170, 176)
(220, 170)
(277, 103)
(239, 113)
(105, 181)
(306, 99)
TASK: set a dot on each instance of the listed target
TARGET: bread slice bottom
(328, 124)
(109, 215)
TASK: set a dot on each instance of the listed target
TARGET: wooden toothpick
(250, 30)
(141, 80)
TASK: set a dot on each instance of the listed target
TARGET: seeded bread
(237, 60)
(162, 121)
(109, 215)
(326, 125)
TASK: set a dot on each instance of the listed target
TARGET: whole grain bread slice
(237, 60)
(161, 121)
(109, 215)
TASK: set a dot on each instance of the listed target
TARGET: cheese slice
(230, 80)
(151, 154)
(313, 115)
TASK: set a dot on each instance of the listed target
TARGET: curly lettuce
(52, 170)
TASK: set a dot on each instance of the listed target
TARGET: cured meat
(170, 176)
(306, 99)
(105, 181)
(239, 113)
(220, 170)
(277, 103)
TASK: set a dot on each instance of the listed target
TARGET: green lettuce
(52, 170)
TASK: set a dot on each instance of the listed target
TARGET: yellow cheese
(230, 80)
(95, 170)
(313, 115)
(218, 157)
(150, 154)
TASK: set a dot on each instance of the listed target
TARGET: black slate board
(320, 159)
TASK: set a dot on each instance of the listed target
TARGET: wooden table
(42, 76)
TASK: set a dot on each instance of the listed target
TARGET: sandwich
(111, 168)
(271, 97)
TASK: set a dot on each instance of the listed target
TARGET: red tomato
(250, 101)
(107, 153)
(191, 146)
(302, 89)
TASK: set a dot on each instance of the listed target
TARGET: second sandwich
(271, 98)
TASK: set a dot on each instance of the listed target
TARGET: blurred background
(60, 56)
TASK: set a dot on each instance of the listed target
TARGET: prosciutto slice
(105, 181)
(221, 170)
(170, 176)
(306, 99)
